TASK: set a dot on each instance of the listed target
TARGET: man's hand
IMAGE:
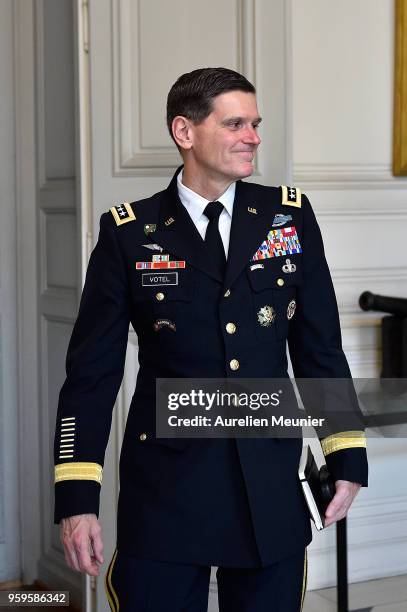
(82, 541)
(341, 502)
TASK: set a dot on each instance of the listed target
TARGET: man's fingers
(336, 504)
(342, 501)
(97, 546)
(82, 542)
(70, 555)
(82, 548)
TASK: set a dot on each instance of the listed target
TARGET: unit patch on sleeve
(123, 213)
(291, 196)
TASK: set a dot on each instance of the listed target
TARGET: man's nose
(251, 136)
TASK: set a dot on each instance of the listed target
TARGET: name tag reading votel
(158, 279)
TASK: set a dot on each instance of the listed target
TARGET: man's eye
(235, 124)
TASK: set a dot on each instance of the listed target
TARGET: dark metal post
(342, 566)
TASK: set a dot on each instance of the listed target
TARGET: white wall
(9, 527)
(342, 72)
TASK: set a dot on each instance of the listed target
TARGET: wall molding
(46, 287)
(131, 157)
(43, 180)
(26, 209)
(347, 176)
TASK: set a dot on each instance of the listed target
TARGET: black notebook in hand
(317, 485)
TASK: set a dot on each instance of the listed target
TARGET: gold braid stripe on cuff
(342, 440)
(78, 471)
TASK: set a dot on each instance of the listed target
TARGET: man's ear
(181, 129)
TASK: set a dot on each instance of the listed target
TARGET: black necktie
(213, 238)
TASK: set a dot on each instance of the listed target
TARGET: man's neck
(209, 187)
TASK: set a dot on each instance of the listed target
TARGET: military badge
(149, 228)
(288, 267)
(160, 258)
(159, 265)
(266, 316)
(279, 242)
(291, 309)
(160, 323)
(280, 219)
(153, 247)
(258, 266)
(123, 213)
(291, 196)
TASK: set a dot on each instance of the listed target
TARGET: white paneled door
(130, 52)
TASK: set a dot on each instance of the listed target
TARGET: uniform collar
(196, 204)
(177, 233)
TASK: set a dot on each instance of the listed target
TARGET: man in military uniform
(215, 275)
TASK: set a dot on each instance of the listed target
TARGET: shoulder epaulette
(291, 196)
(123, 213)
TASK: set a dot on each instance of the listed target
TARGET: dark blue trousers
(141, 585)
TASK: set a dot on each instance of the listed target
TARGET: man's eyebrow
(233, 119)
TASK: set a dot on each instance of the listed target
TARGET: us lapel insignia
(149, 228)
(169, 221)
(291, 196)
(252, 210)
(123, 213)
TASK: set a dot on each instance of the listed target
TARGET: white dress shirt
(196, 204)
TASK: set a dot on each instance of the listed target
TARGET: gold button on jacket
(230, 328)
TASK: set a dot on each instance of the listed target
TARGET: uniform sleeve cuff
(74, 497)
(348, 464)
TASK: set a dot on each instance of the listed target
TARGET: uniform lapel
(177, 234)
(250, 226)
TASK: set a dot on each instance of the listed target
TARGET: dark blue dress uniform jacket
(230, 502)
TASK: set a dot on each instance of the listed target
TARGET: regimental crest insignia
(123, 213)
(149, 228)
(266, 316)
(291, 196)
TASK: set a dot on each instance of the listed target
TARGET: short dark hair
(192, 93)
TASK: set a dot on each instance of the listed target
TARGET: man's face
(224, 144)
